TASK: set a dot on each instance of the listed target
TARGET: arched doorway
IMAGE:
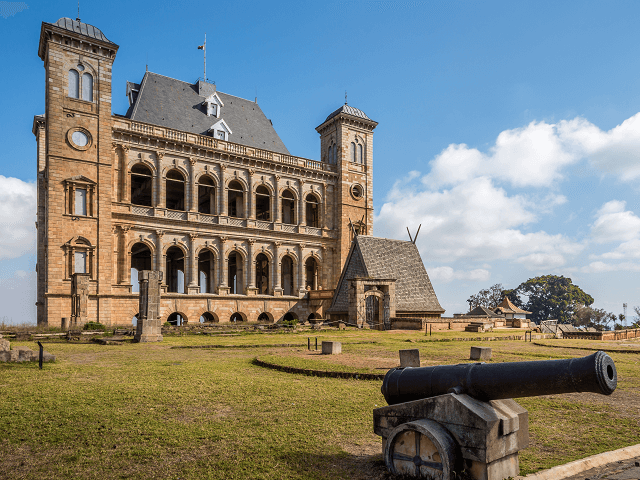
(176, 319)
(140, 260)
(288, 207)
(235, 273)
(175, 190)
(265, 317)
(262, 274)
(141, 185)
(208, 317)
(263, 204)
(175, 270)
(206, 195)
(289, 316)
(236, 199)
(206, 271)
(372, 311)
(312, 211)
(286, 274)
(238, 317)
(311, 274)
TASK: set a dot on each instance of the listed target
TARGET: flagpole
(205, 57)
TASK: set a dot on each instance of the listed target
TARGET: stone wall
(608, 335)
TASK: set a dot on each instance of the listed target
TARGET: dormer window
(213, 105)
(220, 130)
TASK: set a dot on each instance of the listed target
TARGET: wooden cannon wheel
(421, 449)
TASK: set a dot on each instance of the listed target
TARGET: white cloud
(448, 274)
(601, 267)
(17, 217)
(614, 223)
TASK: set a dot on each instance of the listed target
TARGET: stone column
(125, 195)
(161, 264)
(301, 280)
(251, 213)
(301, 204)
(79, 299)
(323, 207)
(251, 266)
(148, 328)
(124, 256)
(193, 265)
(159, 190)
(277, 200)
(247, 200)
(224, 195)
(277, 270)
(223, 269)
(193, 194)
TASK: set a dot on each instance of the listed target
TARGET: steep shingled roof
(82, 28)
(172, 103)
(507, 307)
(383, 258)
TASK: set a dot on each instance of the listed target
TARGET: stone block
(331, 348)
(5, 345)
(8, 356)
(480, 353)
(410, 358)
(341, 326)
(25, 354)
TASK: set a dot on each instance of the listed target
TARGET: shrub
(94, 326)
(290, 323)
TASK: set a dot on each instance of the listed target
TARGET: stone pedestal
(480, 353)
(148, 328)
(331, 348)
(410, 358)
(79, 299)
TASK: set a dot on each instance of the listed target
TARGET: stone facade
(227, 257)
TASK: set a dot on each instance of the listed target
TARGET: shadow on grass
(340, 465)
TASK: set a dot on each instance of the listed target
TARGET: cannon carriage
(447, 419)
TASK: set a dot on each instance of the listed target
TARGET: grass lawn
(150, 411)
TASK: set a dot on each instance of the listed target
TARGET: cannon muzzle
(594, 373)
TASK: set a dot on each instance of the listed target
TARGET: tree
(593, 317)
(490, 297)
(551, 297)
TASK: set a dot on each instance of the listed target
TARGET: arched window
(262, 274)
(176, 319)
(206, 195)
(288, 207)
(333, 152)
(360, 154)
(311, 274)
(353, 152)
(87, 87)
(236, 199)
(206, 271)
(329, 157)
(312, 211)
(140, 260)
(175, 270)
(286, 279)
(263, 204)
(175, 190)
(74, 84)
(141, 185)
(235, 273)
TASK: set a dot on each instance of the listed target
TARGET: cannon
(447, 419)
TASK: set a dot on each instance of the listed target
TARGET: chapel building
(192, 182)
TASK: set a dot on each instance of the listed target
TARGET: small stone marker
(331, 348)
(341, 326)
(410, 358)
(480, 353)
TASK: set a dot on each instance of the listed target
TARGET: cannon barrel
(593, 373)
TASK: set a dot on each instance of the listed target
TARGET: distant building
(516, 317)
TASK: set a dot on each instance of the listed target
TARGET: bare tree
(490, 297)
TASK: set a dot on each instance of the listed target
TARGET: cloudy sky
(509, 130)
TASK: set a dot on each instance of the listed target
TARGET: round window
(80, 67)
(80, 138)
(357, 191)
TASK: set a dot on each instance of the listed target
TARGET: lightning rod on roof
(204, 48)
(78, 19)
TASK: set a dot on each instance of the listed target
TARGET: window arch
(80, 255)
(175, 190)
(353, 152)
(312, 211)
(263, 203)
(206, 271)
(140, 260)
(360, 153)
(262, 274)
(236, 199)
(288, 207)
(311, 273)
(141, 185)
(175, 270)
(74, 83)
(286, 275)
(236, 273)
(206, 195)
(87, 87)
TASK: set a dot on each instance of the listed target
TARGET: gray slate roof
(82, 28)
(383, 258)
(172, 103)
(480, 310)
(349, 110)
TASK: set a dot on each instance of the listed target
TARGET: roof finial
(78, 19)
(345, 97)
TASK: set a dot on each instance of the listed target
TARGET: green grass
(149, 411)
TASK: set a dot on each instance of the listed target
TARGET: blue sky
(509, 130)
